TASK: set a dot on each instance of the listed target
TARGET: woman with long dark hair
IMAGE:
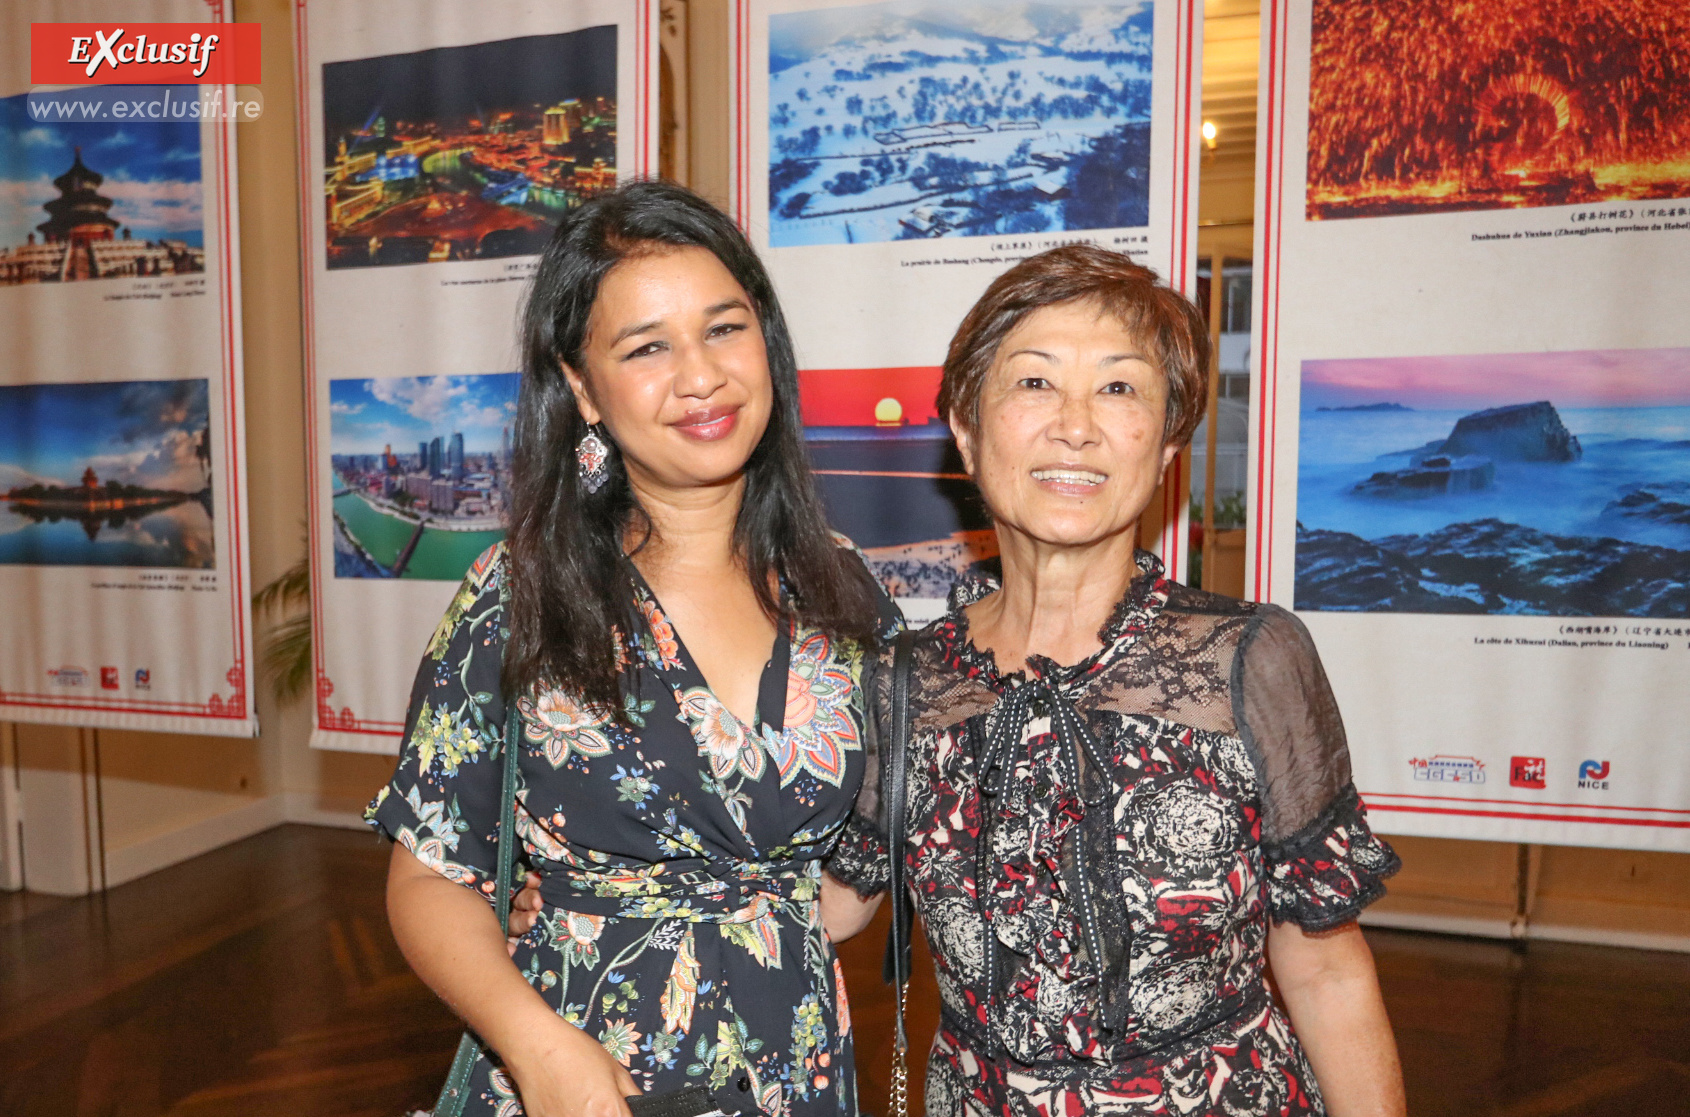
(684, 642)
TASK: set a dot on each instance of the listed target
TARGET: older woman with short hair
(1126, 797)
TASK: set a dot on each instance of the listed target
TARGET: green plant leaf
(285, 651)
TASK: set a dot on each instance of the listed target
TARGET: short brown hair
(1161, 317)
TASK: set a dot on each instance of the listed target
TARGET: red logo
(108, 678)
(144, 53)
(1527, 771)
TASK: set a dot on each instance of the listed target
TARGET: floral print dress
(680, 850)
(1097, 850)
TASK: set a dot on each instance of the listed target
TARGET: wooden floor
(261, 980)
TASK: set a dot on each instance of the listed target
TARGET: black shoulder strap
(896, 798)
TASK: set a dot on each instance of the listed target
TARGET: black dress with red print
(1097, 850)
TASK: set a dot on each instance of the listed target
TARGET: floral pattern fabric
(680, 849)
(1091, 856)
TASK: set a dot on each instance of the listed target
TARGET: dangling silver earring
(591, 456)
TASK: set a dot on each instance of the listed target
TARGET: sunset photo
(106, 474)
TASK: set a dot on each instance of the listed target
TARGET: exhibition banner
(1471, 469)
(123, 533)
(890, 159)
(442, 142)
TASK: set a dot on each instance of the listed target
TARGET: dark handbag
(896, 969)
(455, 1093)
(688, 1101)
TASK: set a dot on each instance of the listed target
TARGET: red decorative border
(1270, 259)
(215, 708)
(740, 115)
(1530, 814)
(344, 720)
(327, 717)
(1532, 806)
(642, 75)
(1181, 273)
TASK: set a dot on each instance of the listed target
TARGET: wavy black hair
(570, 578)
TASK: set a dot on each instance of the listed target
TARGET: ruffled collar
(1132, 616)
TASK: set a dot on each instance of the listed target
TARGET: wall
(316, 786)
(708, 26)
(1567, 893)
(167, 797)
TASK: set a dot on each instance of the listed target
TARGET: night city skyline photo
(469, 152)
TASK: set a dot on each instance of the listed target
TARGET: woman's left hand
(1331, 990)
(525, 911)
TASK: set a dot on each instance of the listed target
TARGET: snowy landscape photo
(1546, 484)
(911, 119)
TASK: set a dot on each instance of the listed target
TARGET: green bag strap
(455, 1093)
(507, 820)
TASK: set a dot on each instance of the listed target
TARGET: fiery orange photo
(1423, 106)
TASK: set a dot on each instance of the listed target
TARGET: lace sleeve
(1324, 864)
(860, 858)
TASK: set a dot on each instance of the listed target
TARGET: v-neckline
(770, 711)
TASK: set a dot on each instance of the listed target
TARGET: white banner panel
(1471, 472)
(442, 142)
(123, 534)
(891, 159)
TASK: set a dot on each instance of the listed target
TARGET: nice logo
(144, 53)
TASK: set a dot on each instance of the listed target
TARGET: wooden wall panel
(1575, 893)
(1632, 891)
(1457, 879)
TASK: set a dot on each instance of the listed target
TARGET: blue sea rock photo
(1491, 567)
(1523, 432)
(1663, 502)
(1466, 460)
(1433, 473)
(1518, 508)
